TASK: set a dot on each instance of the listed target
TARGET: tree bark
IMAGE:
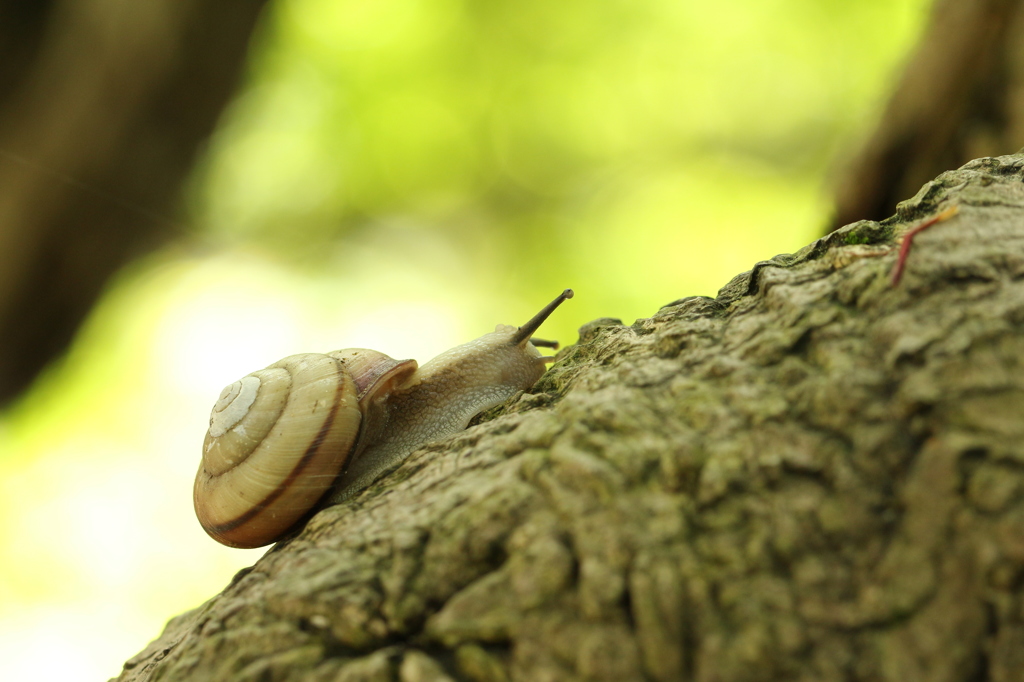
(103, 107)
(816, 475)
(961, 96)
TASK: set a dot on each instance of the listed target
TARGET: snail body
(315, 429)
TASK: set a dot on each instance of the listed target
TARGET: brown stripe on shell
(307, 457)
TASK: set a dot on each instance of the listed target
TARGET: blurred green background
(404, 175)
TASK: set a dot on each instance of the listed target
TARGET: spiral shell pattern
(277, 440)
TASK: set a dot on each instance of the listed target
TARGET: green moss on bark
(815, 475)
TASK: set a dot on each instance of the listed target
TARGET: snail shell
(294, 426)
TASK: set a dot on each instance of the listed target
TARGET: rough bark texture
(814, 476)
(103, 107)
(961, 96)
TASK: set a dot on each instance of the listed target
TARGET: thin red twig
(908, 240)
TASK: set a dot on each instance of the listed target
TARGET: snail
(315, 429)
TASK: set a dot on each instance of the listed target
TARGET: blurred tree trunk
(816, 475)
(103, 106)
(961, 96)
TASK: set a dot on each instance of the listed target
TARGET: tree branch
(816, 475)
(960, 96)
(104, 106)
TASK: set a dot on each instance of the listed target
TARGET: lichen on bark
(815, 475)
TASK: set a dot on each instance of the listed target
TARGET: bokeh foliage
(638, 151)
